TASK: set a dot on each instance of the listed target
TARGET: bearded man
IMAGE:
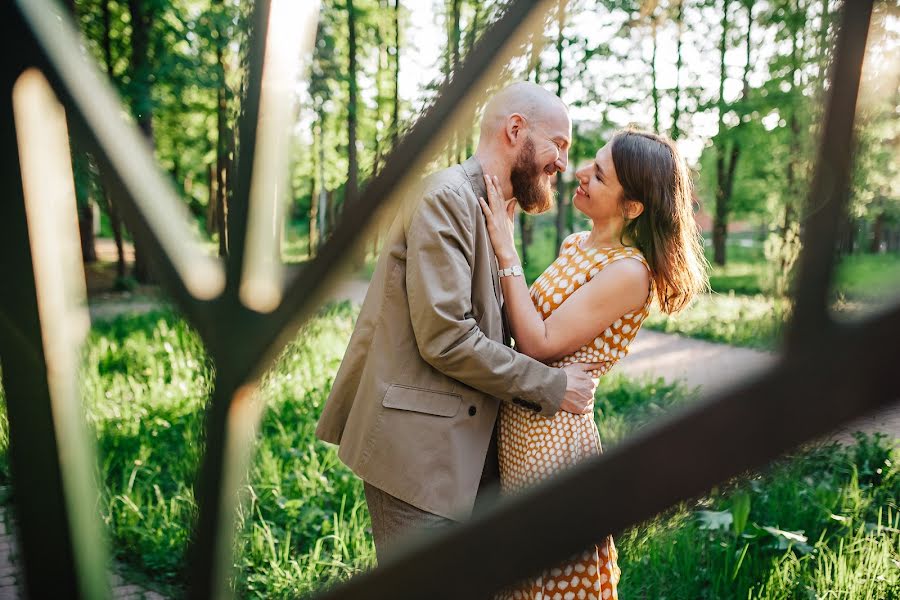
(415, 401)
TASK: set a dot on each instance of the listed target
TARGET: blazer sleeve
(440, 251)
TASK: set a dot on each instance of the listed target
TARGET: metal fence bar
(43, 36)
(828, 195)
(209, 555)
(246, 150)
(58, 533)
(722, 435)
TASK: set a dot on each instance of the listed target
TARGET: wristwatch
(513, 271)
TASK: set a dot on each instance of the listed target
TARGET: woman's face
(599, 194)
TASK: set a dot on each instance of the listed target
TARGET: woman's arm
(619, 288)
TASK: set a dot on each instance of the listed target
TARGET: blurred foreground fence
(828, 374)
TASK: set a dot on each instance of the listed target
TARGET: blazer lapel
(476, 179)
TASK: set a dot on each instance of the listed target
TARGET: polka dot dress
(533, 448)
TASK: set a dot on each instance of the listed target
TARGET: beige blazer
(415, 400)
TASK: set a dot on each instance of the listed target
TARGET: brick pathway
(11, 587)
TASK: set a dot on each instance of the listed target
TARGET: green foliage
(145, 383)
(810, 526)
(868, 277)
(754, 321)
(623, 405)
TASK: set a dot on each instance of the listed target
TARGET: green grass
(304, 523)
(822, 524)
(868, 277)
(752, 321)
(145, 381)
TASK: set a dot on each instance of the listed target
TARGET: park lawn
(304, 523)
(750, 321)
(739, 312)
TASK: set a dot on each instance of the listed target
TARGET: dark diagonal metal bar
(126, 160)
(829, 376)
(836, 375)
(246, 150)
(262, 345)
(828, 195)
(210, 552)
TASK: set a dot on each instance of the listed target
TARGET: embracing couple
(431, 406)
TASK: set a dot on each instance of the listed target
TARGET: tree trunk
(222, 133)
(212, 212)
(452, 63)
(676, 112)
(526, 231)
(877, 234)
(350, 192)
(720, 221)
(395, 114)
(654, 89)
(313, 239)
(86, 231)
(142, 106)
(331, 202)
(115, 220)
(471, 37)
(84, 211)
(562, 203)
(323, 210)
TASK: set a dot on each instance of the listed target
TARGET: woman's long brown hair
(652, 172)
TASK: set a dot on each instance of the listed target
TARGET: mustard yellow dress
(533, 448)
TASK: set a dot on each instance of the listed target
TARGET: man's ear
(633, 209)
(515, 123)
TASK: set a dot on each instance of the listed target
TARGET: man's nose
(562, 161)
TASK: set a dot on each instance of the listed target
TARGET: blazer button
(472, 411)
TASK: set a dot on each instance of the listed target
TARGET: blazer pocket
(431, 402)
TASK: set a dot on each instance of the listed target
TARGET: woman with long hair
(586, 307)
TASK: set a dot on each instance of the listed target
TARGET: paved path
(717, 366)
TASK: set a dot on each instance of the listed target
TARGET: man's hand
(580, 387)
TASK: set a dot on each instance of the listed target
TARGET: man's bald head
(525, 137)
(525, 98)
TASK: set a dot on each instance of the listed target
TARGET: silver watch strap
(513, 271)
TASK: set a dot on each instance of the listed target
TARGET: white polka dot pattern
(533, 448)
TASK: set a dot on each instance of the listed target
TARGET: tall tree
(395, 105)
(352, 106)
(81, 174)
(728, 143)
(115, 219)
(653, 16)
(451, 63)
(563, 204)
(526, 224)
(675, 132)
(141, 13)
(223, 135)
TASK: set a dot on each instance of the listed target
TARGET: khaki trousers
(392, 519)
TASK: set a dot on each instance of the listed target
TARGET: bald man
(415, 401)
